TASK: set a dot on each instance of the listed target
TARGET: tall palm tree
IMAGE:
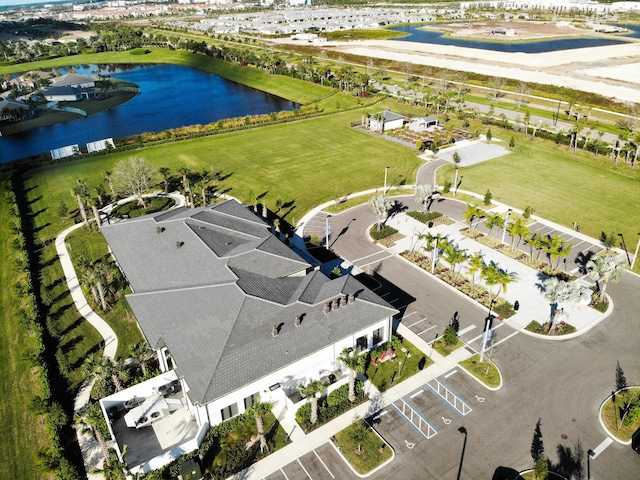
(494, 220)
(454, 257)
(380, 206)
(355, 362)
(166, 173)
(93, 423)
(476, 264)
(109, 179)
(311, 390)
(557, 291)
(258, 411)
(473, 212)
(517, 230)
(93, 203)
(79, 193)
(604, 269)
(141, 351)
(494, 275)
(423, 194)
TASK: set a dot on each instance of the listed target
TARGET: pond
(418, 34)
(171, 96)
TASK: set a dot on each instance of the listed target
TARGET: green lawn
(613, 424)
(23, 432)
(485, 371)
(562, 187)
(444, 349)
(399, 369)
(374, 450)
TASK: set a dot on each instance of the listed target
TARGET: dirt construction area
(507, 31)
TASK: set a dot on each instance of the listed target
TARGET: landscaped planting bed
(484, 370)
(620, 421)
(385, 374)
(329, 407)
(363, 447)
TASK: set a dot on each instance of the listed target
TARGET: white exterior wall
(62, 98)
(312, 367)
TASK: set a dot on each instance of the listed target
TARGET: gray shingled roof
(214, 304)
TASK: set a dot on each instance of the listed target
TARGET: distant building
(385, 120)
(12, 109)
(73, 80)
(423, 123)
(100, 145)
(66, 94)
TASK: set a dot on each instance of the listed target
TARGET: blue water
(171, 96)
(539, 46)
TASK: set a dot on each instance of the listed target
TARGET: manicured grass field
(562, 186)
(23, 432)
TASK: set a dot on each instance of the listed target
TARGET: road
(561, 382)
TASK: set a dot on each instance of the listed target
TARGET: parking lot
(322, 463)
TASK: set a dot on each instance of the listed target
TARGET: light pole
(624, 245)
(464, 446)
(457, 183)
(590, 454)
(326, 231)
(555, 121)
(635, 254)
(506, 221)
(431, 353)
(386, 170)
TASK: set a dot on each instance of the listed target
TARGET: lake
(417, 34)
(170, 96)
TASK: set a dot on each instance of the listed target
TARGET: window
(230, 411)
(378, 335)
(251, 400)
(362, 343)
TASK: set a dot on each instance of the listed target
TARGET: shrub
(450, 336)
(512, 142)
(447, 187)
(424, 217)
(487, 197)
(385, 231)
(314, 240)
(335, 404)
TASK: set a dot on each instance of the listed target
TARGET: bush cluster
(424, 217)
(329, 407)
(385, 231)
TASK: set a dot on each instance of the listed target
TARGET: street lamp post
(386, 170)
(555, 121)
(434, 341)
(506, 221)
(590, 454)
(624, 245)
(464, 446)
(635, 254)
(326, 231)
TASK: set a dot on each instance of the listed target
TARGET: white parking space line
(505, 338)
(324, 464)
(385, 294)
(382, 413)
(305, 470)
(466, 330)
(480, 336)
(416, 394)
(409, 314)
(415, 323)
(285, 475)
(450, 373)
(394, 300)
(375, 261)
(430, 328)
(600, 448)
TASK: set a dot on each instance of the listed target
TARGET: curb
(606, 430)
(371, 472)
(493, 389)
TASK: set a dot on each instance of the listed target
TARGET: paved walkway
(91, 451)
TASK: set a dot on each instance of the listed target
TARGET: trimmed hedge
(385, 231)
(424, 217)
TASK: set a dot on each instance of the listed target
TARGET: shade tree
(604, 269)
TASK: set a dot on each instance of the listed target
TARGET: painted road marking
(325, 466)
(285, 475)
(506, 338)
(416, 394)
(366, 256)
(450, 373)
(375, 261)
(430, 328)
(600, 448)
(466, 330)
(305, 470)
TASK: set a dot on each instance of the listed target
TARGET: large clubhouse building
(234, 315)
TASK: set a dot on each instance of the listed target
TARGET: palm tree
(535, 241)
(141, 351)
(380, 206)
(423, 193)
(604, 269)
(494, 275)
(258, 411)
(311, 390)
(517, 229)
(557, 291)
(109, 179)
(454, 257)
(473, 212)
(494, 220)
(166, 173)
(556, 247)
(355, 362)
(93, 423)
(476, 264)
(79, 193)
(93, 203)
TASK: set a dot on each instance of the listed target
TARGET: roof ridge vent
(298, 321)
(159, 230)
(352, 297)
(179, 243)
(274, 331)
(336, 304)
(326, 308)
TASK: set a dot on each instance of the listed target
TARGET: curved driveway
(562, 383)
